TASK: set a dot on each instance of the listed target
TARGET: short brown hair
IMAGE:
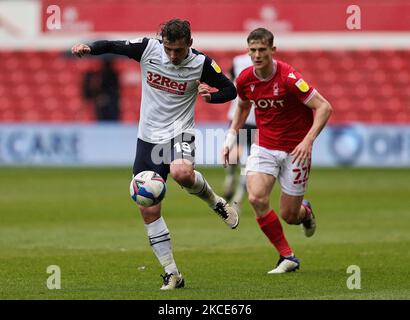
(261, 34)
(176, 29)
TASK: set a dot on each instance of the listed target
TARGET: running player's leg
(231, 179)
(259, 188)
(245, 147)
(294, 209)
(291, 209)
(261, 171)
(157, 230)
(182, 171)
(240, 191)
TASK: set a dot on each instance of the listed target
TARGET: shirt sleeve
(240, 88)
(213, 76)
(133, 49)
(298, 86)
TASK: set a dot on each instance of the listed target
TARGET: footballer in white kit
(173, 74)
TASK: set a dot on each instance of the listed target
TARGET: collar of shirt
(275, 67)
(167, 62)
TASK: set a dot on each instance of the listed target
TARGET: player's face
(261, 54)
(177, 50)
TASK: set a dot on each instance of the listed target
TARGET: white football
(147, 188)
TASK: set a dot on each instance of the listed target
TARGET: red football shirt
(282, 117)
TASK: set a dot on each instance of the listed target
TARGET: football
(147, 188)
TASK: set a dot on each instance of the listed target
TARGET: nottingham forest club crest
(275, 89)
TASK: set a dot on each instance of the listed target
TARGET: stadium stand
(363, 85)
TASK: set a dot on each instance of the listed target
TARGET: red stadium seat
(362, 85)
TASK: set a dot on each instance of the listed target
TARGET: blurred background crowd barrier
(357, 56)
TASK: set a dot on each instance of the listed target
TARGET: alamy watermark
(54, 280)
(205, 146)
(353, 21)
(353, 282)
(53, 17)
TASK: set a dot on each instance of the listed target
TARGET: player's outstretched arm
(132, 48)
(80, 49)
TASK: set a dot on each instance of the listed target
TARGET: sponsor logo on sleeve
(215, 66)
(302, 85)
(292, 75)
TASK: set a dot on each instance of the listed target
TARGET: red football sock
(270, 225)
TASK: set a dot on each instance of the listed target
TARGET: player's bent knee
(150, 214)
(183, 175)
(290, 217)
(257, 201)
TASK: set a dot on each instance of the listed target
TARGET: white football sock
(203, 190)
(160, 240)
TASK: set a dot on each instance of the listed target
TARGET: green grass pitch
(83, 220)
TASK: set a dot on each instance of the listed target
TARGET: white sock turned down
(203, 190)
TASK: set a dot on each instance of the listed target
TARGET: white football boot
(227, 213)
(172, 281)
(286, 264)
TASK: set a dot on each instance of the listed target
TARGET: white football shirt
(169, 91)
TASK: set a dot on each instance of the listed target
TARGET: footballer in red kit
(290, 114)
(282, 117)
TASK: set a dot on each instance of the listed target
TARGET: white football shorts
(292, 178)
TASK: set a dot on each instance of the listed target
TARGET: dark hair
(261, 34)
(176, 29)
